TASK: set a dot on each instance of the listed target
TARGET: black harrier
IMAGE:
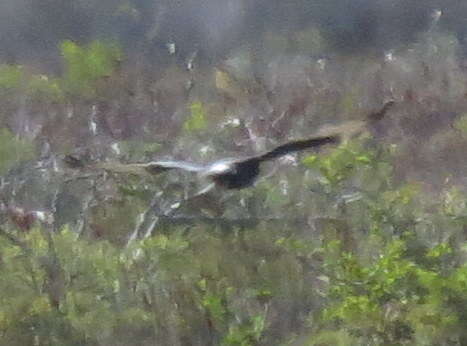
(240, 173)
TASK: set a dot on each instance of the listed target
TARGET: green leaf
(197, 120)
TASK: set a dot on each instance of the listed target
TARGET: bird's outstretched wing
(326, 135)
(153, 167)
(298, 145)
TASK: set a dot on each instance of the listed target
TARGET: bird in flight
(241, 172)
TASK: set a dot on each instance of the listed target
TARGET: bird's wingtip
(378, 115)
(73, 162)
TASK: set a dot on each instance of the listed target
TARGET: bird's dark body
(241, 174)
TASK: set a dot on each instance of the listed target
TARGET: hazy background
(32, 30)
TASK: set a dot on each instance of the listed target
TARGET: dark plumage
(228, 173)
(240, 173)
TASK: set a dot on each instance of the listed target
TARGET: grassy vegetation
(385, 268)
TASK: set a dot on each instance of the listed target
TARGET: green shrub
(44, 89)
(13, 150)
(11, 77)
(86, 65)
(197, 120)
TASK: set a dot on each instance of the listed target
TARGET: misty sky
(31, 30)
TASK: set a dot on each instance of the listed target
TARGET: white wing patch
(219, 168)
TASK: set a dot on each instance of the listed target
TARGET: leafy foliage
(197, 120)
(11, 77)
(85, 66)
(43, 89)
(227, 287)
(13, 150)
(16, 81)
